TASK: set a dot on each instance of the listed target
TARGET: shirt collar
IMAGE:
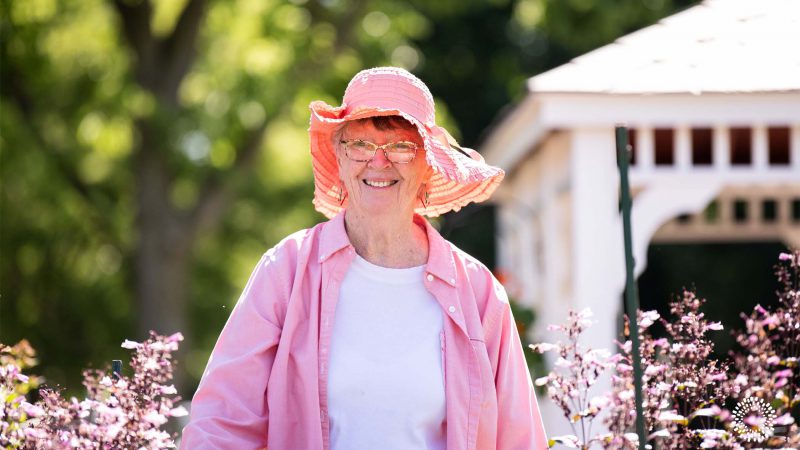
(333, 237)
(441, 263)
(440, 255)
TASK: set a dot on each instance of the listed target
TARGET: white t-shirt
(385, 379)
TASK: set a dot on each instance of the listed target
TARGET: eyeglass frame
(376, 147)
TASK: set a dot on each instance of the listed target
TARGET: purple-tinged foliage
(688, 395)
(768, 366)
(684, 389)
(576, 370)
(14, 386)
(118, 412)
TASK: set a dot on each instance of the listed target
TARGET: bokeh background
(152, 151)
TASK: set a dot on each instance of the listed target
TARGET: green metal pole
(631, 295)
(116, 368)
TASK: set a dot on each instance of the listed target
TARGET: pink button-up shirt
(266, 381)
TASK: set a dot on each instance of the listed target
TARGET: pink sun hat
(460, 174)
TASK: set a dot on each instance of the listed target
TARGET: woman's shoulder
(294, 246)
(464, 262)
(477, 275)
(468, 271)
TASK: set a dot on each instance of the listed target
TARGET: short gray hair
(379, 122)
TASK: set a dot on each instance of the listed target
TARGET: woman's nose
(379, 161)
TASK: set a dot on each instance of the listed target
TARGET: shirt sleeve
(229, 408)
(519, 420)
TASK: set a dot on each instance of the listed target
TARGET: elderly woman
(370, 331)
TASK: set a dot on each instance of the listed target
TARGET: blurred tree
(138, 135)
(151, 151)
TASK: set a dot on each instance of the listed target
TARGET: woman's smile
(379, 184)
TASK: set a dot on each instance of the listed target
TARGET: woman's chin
(379, 208)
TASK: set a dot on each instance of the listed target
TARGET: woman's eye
(404, 147)
(359, 145)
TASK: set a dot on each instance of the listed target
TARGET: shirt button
(452, 309)
(430, 277)
(452, 281)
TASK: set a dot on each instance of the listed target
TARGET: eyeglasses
(358, 150)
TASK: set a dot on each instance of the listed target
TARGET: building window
(740, 211)
(778, 138)
(796, 210)
(684, 219)
(701, 146)
(664, 146)
(632, 145)
(711, 212)
(741, 146)
(769, 210)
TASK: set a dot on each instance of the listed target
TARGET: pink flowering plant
(768, 367)
(577, 369)
(684, 389)
(14, 387)
(690, 399)
(119, 411)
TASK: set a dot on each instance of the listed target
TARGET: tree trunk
(165, 236)
(162, 250)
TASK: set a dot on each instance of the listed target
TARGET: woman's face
(379, 186)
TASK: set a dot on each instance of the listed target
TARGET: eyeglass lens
(396, 152)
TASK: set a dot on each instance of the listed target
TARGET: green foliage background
(76, 113)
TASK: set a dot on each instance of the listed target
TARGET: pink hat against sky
(460, 174)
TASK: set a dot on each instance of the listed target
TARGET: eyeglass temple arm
(460, 150)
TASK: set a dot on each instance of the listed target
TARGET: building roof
(719, 46)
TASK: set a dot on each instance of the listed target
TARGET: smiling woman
(384, 182)
(370, 330)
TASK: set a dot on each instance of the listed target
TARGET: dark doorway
(732, 277)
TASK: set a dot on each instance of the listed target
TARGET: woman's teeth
(379, 184)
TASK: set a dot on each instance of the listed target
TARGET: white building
(713, 97)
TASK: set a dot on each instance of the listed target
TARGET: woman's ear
(338, 151)
(338, 157)
(428, 174)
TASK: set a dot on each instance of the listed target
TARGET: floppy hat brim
(460, 176)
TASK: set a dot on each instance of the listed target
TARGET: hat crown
(390, 88)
